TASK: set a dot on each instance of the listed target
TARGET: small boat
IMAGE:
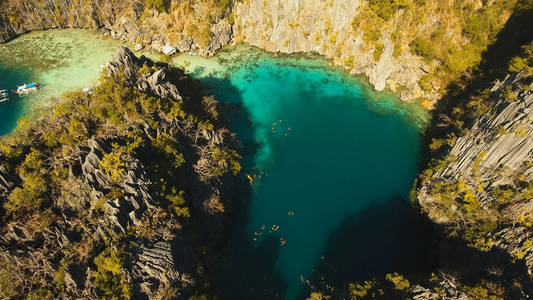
(169, 50)
(87, 90)
(25, 89)
(4, 96)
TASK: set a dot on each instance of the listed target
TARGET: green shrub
(160, 5)
(422, 47)
(399, 282)
(385, 9)
(110, 278)
(177, 203)
(378, 51)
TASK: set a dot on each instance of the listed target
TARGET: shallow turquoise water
(321, 146)
(63, 60)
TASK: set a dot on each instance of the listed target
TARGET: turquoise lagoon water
(333, 164)
(63, 60)
(333, 161)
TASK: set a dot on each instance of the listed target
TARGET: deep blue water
(320, 146)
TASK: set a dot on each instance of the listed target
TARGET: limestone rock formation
(119, 19)
(7, 181)
(94, 211)
(491, 169)
(325, 27)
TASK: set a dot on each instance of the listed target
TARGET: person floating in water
(250, 178)
(282, 242)
(291, 213)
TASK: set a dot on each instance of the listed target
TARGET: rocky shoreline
(250, 23)
(112, 225)
(354, 35)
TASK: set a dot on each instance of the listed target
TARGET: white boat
(169, 50)
(25, 89)
(87, 90)
(4, 95)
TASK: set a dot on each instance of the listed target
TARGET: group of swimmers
(276, 124)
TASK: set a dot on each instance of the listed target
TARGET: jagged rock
(123, 61)
(421, 293)
(17, 233)
(91, 210)
(221, 34)
(7, 181)
(73, 277)
(90, 166)
(159, 86)
(163, 262)
(497, 149)
(156, 262)
(185, 44)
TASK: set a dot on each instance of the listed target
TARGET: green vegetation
(459, 41)
(396, 286)
(110, 278)
(161, 5)
(385, 9)
(378, 51)
(480, 102)
(451, 36)
(471, 221)
(422, 47)
(194, 19)
(136, 127)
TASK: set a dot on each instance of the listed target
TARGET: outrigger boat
(27, 88)
(4, 96)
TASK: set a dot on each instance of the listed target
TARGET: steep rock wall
(415, 48)
(325, 27)
(128, 20)
(482, 191)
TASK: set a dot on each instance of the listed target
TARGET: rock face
(380, 50)
(489, 172)
(325, 27)
(7, 181)
(119, 19)
(286, 26)
(98, 209)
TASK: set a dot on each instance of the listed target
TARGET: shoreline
(230, 57)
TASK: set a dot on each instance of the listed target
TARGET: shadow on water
(249, 272)
(383, 238)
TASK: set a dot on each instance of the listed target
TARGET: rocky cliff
(118, 193)
(199, 26)
(412, 47)
(415, 48)
(482, 190)
(325, 27)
